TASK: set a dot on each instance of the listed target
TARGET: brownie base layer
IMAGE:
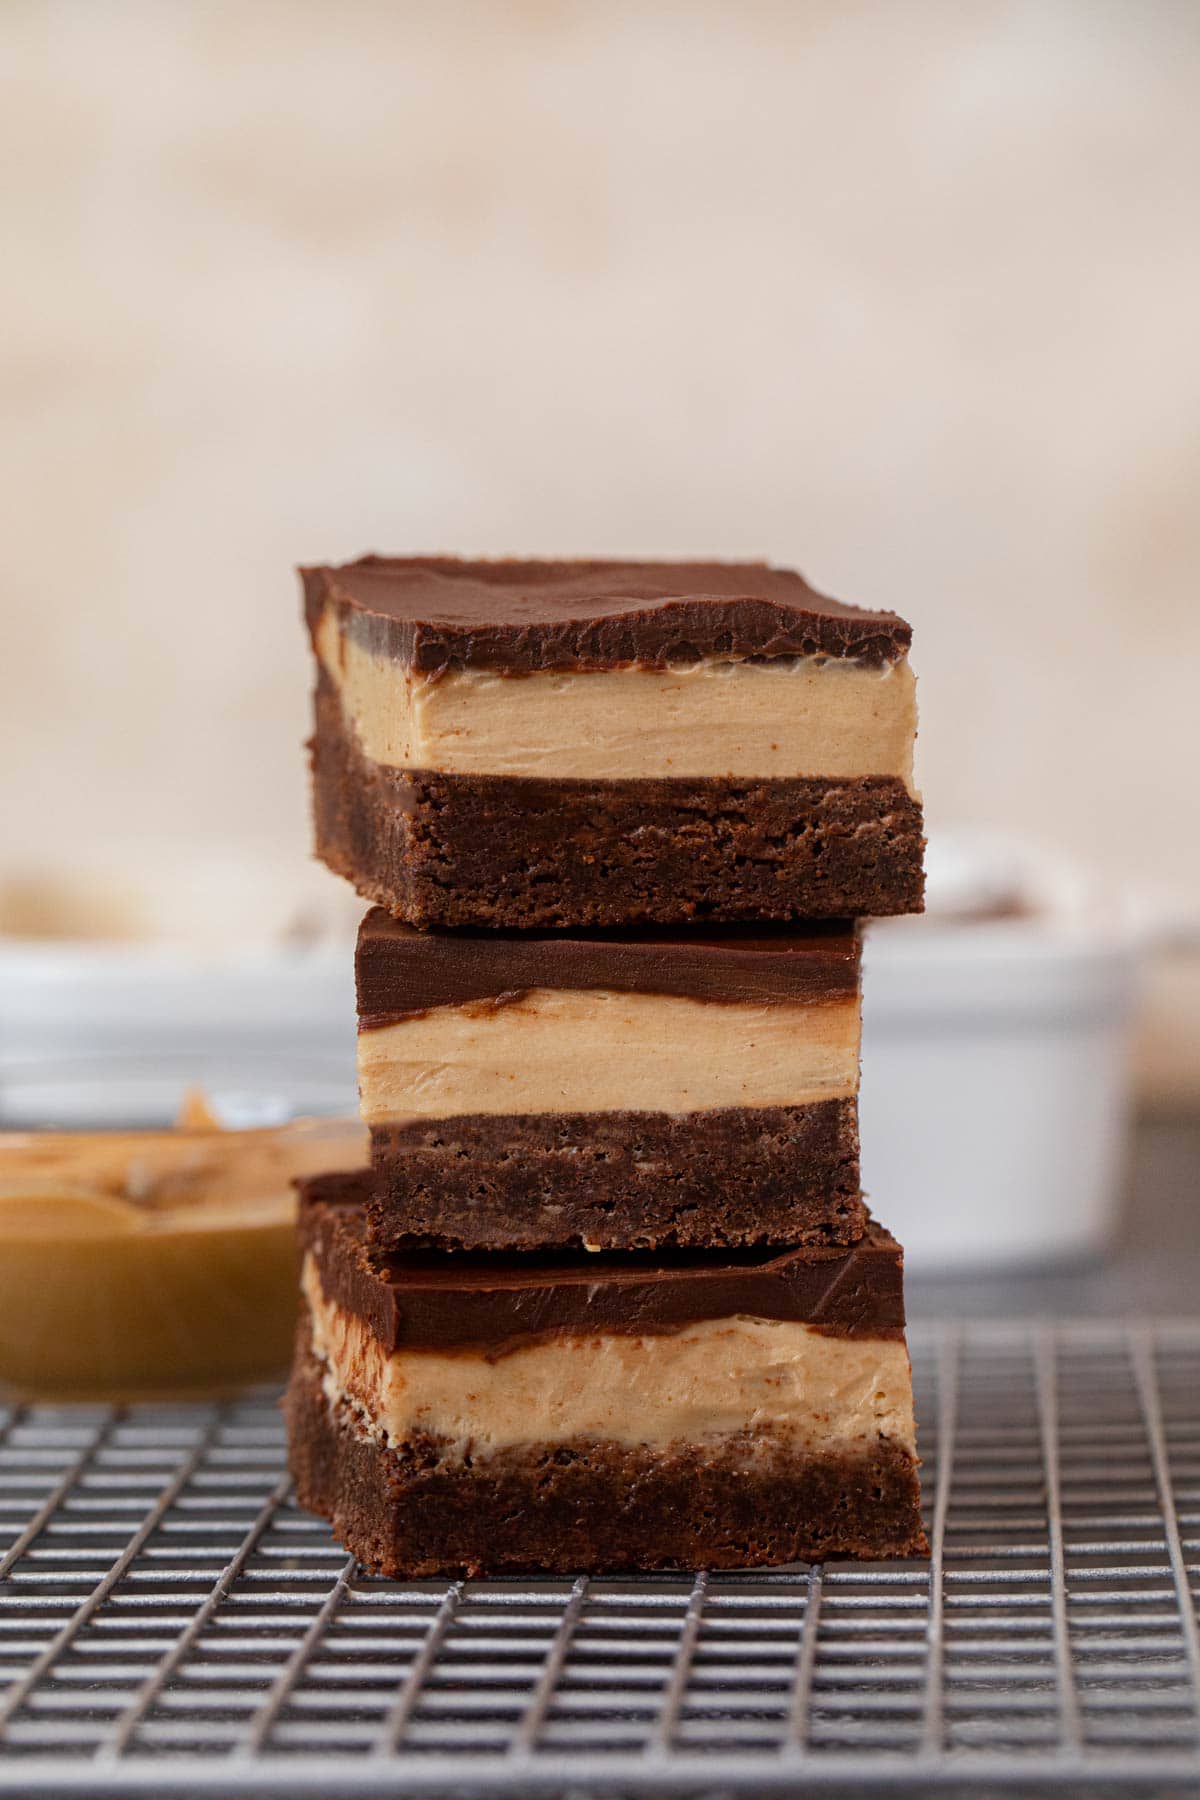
(518, 852)
(619, 1180)
(581, 1508)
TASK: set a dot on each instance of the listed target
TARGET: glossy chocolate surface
(521, 618)
(491, 1303)
(402, 972)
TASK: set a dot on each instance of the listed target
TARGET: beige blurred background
(905, 294)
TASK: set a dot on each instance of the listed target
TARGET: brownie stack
(608, 1297)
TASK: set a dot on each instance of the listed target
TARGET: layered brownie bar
(537, 744)
(610, 1091)
(492, 1415)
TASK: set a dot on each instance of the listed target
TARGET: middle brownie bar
(610, 1090)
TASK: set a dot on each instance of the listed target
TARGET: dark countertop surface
(1154, 1269)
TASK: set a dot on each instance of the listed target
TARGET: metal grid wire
(171, 1622)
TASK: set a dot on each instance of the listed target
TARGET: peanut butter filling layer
(803, 716)
(710, 1380)
(555, 1050)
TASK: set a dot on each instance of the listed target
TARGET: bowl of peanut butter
(146, 1259)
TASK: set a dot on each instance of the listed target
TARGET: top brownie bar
(525, 744)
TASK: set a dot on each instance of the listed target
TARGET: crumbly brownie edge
(735, 1176)
(566, 1509)
(523, 853)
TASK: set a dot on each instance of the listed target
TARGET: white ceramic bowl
(995, 1032)
(234, 959)
(995, 1038)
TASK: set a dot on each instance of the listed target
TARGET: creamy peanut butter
(556, 1050)
(707, 1381)
(153, 1261)
(784, 717)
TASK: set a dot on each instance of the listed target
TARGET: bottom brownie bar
(488, 1414)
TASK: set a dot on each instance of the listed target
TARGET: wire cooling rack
(171, 1623)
